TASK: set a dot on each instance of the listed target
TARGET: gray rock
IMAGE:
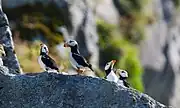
(110, 14)
(160, 54)
(6, 39)
(51, 90)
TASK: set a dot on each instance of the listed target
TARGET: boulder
(51, 90)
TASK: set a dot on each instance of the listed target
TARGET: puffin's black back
(78, 58)
(49, 62)
(81, 60)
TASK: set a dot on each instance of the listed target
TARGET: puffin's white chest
(1, 62)
(73, 62)
(120, 82)
(112, 77)
(41, 63)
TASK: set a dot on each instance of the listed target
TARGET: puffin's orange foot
(79, 71)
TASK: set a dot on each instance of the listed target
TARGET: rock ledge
(50, 90)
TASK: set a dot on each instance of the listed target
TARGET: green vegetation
(130, 61)
(176, 3)
(113, 46)
(37, 21)
(120, 42)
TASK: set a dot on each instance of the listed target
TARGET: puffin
(110, 74)
(2, 54)
(76, 59)
(45, 61)
(123, 75)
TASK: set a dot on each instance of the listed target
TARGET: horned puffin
(110, 74)
(123, 75)
(45, 61)
(2, 54)
(76, 59)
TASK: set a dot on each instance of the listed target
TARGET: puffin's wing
(49, 62)
(80, 59)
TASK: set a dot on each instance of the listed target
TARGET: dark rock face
(6, 38)
(50, 90)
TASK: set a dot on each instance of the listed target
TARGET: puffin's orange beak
(66, 45)
(114, 61)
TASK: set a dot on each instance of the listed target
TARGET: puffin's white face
(110, 65)
(44, 49)
(70, 43)
(2, 52)
(122, 73)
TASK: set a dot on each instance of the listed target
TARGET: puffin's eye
(123, 71)
(45, 49)
(70, 41)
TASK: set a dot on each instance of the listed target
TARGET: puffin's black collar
(122, 78)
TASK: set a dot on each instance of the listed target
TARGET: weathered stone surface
(50, 90)
(160, 54)
(100, 10)
(6, 38)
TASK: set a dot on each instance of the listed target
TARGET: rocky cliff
(159, 51)
(6, 39)
(50, 90)
(160, 54)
